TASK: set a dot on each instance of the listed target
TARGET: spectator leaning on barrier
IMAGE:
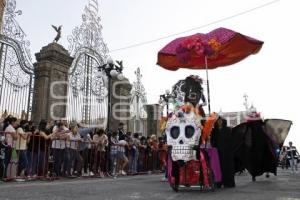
(5, 123)
(129, 151)
(103, 147)
(21, 148)
(72, 151)
(38, 146)
(149, 155)
(101, 141)
(135, 146)
(58, 147)
(2, 155)
(85, 148)
(113, 153)
(121, 133)
(142, 160)
(154, 149)
(122, 158)
(10, 135)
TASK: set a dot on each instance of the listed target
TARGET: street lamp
(112, 71)
(166, 98)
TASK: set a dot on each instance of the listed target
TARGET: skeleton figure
(190, 90)
(183, 134)
(58, 31)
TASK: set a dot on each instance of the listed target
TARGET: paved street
(149, 187)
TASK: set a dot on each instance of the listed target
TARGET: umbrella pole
(207, 81)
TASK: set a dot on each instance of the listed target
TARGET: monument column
(153, 119)
(51, 83)
(120, 103)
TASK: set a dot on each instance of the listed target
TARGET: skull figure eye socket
(189, 131)
(175, 131)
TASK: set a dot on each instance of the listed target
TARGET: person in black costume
(221, 139)
(254, 149)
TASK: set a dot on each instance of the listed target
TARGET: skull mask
(183, 133)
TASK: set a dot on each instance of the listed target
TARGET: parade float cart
(218, 48)
(190, 164)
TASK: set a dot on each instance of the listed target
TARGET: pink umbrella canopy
(218, 48)
(221, 47)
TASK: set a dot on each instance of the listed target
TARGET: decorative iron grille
(87, 94)
(16, 69)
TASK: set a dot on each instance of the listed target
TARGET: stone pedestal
(153, 119)
(120, 103)
(50, 83)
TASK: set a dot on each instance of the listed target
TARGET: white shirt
(73, 143)
(9, 138)
(121, 147)
(21, 143)
(56, 143)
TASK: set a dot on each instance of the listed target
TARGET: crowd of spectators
(62, 149)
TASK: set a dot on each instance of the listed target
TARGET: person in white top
(21, 147)
(59, 137)
(72, 151)
(10, 137)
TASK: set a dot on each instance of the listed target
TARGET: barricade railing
(36, 157)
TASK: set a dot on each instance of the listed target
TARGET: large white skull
(183, 133)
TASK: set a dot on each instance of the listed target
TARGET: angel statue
(58, 31)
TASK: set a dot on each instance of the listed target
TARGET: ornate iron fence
(87, 95)
(16, 69)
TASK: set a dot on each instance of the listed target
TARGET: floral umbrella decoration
(220, 47)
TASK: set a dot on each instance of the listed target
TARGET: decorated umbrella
(218, 48)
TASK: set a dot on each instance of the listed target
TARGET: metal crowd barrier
(53, 158)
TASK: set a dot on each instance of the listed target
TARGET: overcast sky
(269, 78)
